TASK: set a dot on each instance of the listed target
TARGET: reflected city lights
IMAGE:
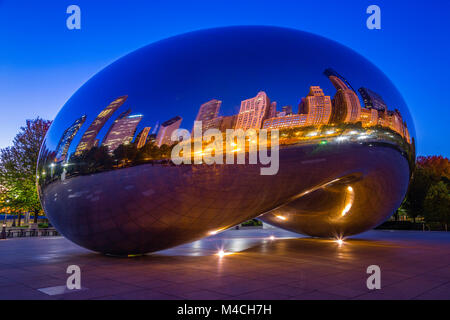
(341, 138)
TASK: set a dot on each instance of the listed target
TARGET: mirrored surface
(108, 179)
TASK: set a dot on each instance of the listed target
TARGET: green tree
(18, 168)
(421, 182)
(437, 204)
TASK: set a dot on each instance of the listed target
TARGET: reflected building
(394, 121)
(272, 110)
(228, 122)
(369, 117)
(316, 106)
(151, 138)
(122, 131)
(372, 100)
(253, 112)
(64, 143)
(155, 129)
(209, 110)
(208, 114)
(329, 72)
(88, 139)
(166, 129)
(284, 122)
(142, 137)
(287, 110)
(346, 105)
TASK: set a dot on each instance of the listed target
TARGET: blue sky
(42, 63)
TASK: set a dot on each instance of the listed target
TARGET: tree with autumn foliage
(438, 166)
(18, 169)
(428, 193)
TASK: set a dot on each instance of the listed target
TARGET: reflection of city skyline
(259, 112)
(64, 143)
(314, 110)
(89, 138)
(122, 130)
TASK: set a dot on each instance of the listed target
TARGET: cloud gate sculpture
(332, 133)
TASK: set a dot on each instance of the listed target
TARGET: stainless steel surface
(107, 183)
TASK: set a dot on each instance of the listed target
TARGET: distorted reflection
(320, 119)
(346, 142)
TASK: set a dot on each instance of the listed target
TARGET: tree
(429, 171)
(438, 166)
(18, 168)
(437, 204)
(125, 153)
(417, 192)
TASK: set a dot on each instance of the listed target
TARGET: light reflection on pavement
(231, 240)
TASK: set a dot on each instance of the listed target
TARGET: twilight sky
(42, 63)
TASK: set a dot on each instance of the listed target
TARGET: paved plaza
(258, 264)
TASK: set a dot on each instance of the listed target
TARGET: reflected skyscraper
(155, 129)
(122, 131)
(166, 129)
(369, 117)
(67, 137)
(273, 110)
(253, 112)
(394, 121)
(142, 137)
(346, 105)
(317, 107)
(287, 110)
(329, 72)
(88, 139)
(208, 114)
(209, 110)
(372, 100)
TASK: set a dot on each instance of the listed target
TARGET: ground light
(221, 253)
(214, 232)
